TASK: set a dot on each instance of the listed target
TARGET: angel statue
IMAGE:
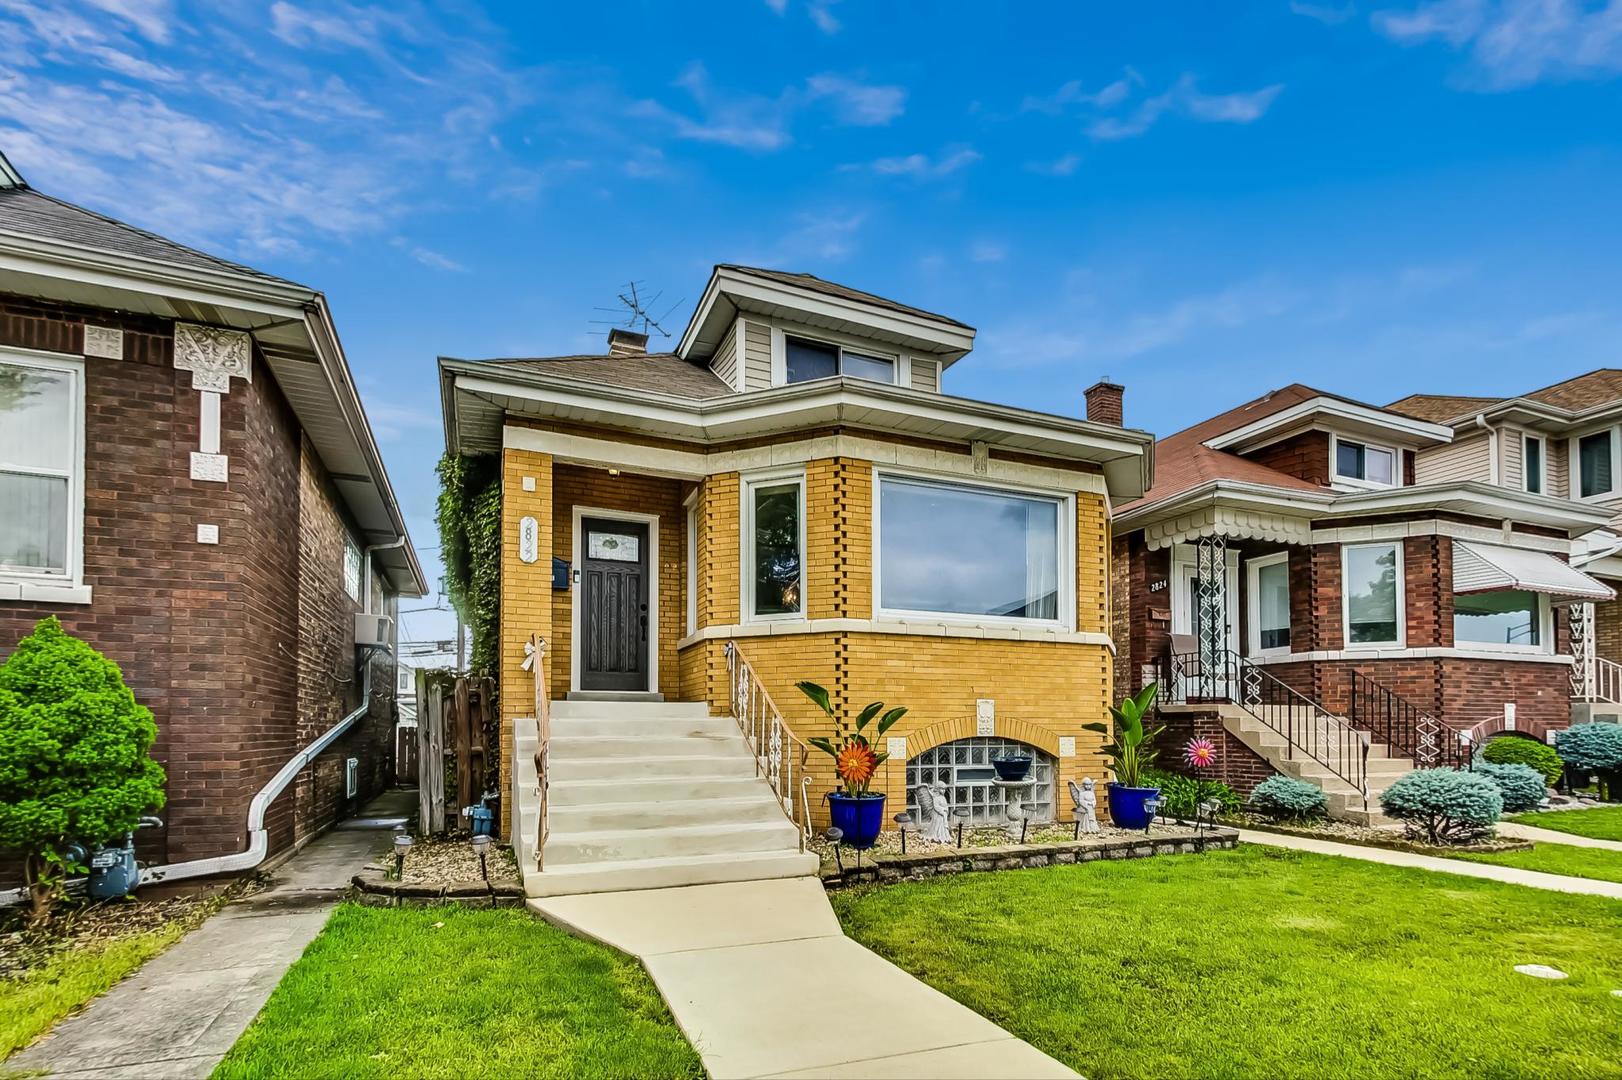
(934, 808)
(1085, 801)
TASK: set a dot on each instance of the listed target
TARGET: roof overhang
(731, 291)
(1260, 511)
(1486, 568)
(1343, 416)
(1536, 415)
(477, 400)
(296, 334)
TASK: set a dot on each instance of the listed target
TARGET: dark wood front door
(614, 605)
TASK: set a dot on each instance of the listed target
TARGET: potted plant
(1130, 754)
(857, 812)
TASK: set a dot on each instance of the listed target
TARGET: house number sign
(1157, 586)
(529, 540)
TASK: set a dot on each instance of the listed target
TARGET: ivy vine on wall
(469, 517)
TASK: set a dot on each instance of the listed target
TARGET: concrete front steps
(651, 795)
(1345, 803)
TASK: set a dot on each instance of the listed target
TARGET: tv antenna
(636, 311)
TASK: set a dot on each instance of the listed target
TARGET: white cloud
(988, 251)
(393, 421)
(428, 257)
(1064, 165)
(744, 121)
(1516, 43)
(858, 103)
(779, 6)
(821, 12)
(817, 236)
(1328, 14)
(925, 167)
(1185, 98)
(1072, 93)
(149, 17)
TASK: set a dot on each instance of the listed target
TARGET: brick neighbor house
(1313, 594)
(787, 495)
(188, 482)
(1564, 440)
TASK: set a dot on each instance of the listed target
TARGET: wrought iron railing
(780, 756)
(1607, 681)
(1310, 731)
(1404, 727)
(534, 657)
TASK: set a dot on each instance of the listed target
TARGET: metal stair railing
(1309, 730)
(1402, 726)
(776, 749)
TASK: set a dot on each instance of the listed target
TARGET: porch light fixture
(402, 846)
(613, 472)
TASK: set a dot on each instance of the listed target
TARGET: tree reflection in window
(777, 549)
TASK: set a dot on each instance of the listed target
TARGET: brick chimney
(1104, 402)
(627, 343)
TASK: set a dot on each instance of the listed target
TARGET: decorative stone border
(377, 889)
(1395, 843)
(920, 865)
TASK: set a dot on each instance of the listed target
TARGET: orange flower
(855, 763)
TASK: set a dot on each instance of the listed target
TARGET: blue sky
(1199, 200)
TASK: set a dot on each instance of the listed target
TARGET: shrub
(1593, 748)
(1521, 786)
(1518, 750)
(1287, 798)
(73, 756)
(1180, 795)
(1443, 806)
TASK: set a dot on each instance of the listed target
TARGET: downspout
(1492, 448)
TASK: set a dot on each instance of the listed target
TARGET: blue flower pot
(860, 819)
(1012, 768)
(1126, 805)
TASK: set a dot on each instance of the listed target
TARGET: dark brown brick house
(188, 481)
(1307, 604)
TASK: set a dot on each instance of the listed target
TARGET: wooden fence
(456, 725)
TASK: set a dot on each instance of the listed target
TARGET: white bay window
(41, 469)
(962, 552)
(774, 547)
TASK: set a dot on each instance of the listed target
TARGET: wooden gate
(456, 724)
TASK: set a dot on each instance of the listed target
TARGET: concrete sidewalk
(178, 1015)
(763, 982)
(1508, 874)
(1554, 836)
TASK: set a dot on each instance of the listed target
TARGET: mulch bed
(1346, 832)
(445, 861)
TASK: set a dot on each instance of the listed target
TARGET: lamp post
(402, 846)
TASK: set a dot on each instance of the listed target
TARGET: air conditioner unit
(372, 629)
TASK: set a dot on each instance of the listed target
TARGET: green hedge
(1519, 750)
(469, 518)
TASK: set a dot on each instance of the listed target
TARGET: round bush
(1521, 785)
(1591, 747)
(1518, 750)
(1443, 806)
(1288, 798)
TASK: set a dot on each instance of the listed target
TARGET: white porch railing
(534, 655)
(776, 749)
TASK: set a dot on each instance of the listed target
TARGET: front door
(614, 605)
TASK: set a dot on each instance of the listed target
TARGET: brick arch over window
(963, 727)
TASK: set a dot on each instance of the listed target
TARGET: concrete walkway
(763, 982)
(1554, 836)
(1508, 874)
(177, 1016)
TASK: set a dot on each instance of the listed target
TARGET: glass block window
(965, 766)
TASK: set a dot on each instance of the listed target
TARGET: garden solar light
(834, 835)
(1152, 806)
(402, 844)
(904, 822)
(962, 815)
(480, 844)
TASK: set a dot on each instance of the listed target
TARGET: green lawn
(1602, 823)
(1265, 963)
(459, 992)
(1559, 859)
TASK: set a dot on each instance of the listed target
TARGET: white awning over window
(1479, 568)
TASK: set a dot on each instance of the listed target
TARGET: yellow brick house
(787, 495)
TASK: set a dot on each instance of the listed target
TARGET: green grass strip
(1601, 823)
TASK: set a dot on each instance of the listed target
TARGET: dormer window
(808, 360)
(1362, 463)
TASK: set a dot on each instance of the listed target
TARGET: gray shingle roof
(844, 292)
(30, 213)
(664, 373)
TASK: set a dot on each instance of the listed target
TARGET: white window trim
(1401, 641)
(780, 336)
(1066, 501)
(691, 506)
(67, 586)
(1575, 465)
(1253, 602)
(1545, 644)
(1543, 464)
(652, 522)
(746, 546)
(1357, 483)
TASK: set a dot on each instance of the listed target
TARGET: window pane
(1496, 618)
(34, 523)
(967, 552)
(36, 429)
(777, 549)
(1371, 594)
(1273, 605)
(1349, 459)
(809, 360)
(1377, 466)
(1533, 465)
(1594, 463)
(869, 367)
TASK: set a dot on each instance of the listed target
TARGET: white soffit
(1344, 416)
(1479, 568)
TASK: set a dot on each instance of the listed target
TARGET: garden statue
(933, 809)
(1085, 801)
